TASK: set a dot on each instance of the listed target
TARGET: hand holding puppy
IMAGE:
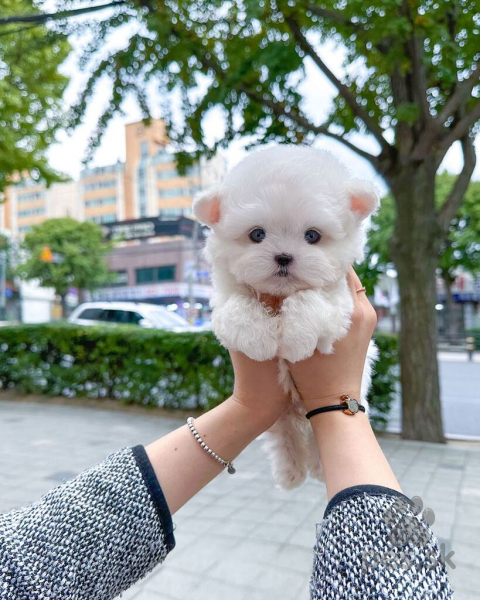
(323, 378)
(287, 223)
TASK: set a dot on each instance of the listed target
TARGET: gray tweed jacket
(95, 536)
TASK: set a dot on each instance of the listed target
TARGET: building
(153, 186)
(146, 185)
(31, 203)
(129, 196)
(103, 193)
(170, 273)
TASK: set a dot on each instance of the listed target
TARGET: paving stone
(219, 590)
(240, 538)
(174, 583)
(465, 579)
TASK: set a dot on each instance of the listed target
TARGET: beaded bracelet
(196, 435)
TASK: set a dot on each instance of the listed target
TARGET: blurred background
(113, 115)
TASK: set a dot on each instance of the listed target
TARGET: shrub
(133, 365)
(141, 366)
(385, 379)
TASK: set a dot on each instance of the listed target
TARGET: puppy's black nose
(283, 259)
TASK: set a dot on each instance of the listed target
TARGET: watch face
(352, 405)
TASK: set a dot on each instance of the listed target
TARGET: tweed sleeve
(372, 543)
(90, 538)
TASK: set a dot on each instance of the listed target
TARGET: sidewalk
(240, 537)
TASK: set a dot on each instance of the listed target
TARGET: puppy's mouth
(283, 272)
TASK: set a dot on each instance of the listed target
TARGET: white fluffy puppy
(288, 222)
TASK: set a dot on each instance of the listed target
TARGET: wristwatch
(348, 405)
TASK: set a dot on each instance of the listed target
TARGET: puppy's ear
(363, 198)
(206, 205)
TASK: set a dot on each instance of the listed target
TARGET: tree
(31, 90)
(459, 251)
(409, 82)
(63, 253)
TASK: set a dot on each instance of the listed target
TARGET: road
(460, 389)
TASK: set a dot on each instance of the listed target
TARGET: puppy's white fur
(286, 190)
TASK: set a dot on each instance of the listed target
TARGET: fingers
(362, 308)
(354, 284)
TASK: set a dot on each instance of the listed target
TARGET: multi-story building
(147, 185)
(153, 186)
(103, 193)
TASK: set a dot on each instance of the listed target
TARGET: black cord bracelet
(350, 406)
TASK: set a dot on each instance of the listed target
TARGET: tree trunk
(414, 246)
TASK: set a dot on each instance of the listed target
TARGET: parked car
(150, 316)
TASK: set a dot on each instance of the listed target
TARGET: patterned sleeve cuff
(156, 493)
(358, 490)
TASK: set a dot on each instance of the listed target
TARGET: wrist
(254, 414)
(331, 399)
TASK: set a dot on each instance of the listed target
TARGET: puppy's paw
(258, 346)
(325, 345)
(299, 335)
(243, 324)
(295, 350)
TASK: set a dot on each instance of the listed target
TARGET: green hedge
(385, 379)
(141, 366)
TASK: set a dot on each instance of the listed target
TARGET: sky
(69, 151)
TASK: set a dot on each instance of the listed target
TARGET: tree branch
(455, 199)
(461, 95)
(281, 110)
(461, 129)
(419, 77)
(343, 89)
(333, 15)
(304, 123)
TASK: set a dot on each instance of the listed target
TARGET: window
(171, 213)
(172, 192)
(122, 316)
(31, 196)
(91, 314)
(163, 157)
(100, 201)
(167, 319)
(155, 274)
(169, 174)
(121, 278)
(97, 185)
(144, 149)
(109, 218)
(31, 212)
(192, 170)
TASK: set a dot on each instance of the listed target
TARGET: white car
(150, 316)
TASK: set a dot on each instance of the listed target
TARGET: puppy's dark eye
(257, 235)
(312, 236)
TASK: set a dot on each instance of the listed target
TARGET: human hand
(257, 387)
(323, 378)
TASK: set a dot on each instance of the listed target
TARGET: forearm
(389, 552)
(92, 537)
(349, 451)
(183, 468)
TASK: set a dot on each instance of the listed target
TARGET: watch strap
(349, 406)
